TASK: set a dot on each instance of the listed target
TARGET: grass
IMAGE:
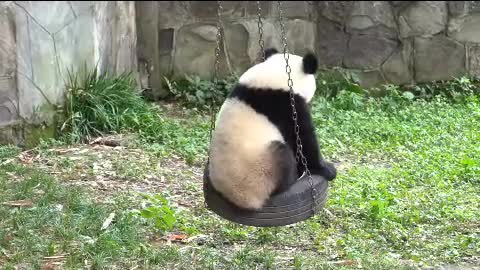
(61, 221)
(406, 197)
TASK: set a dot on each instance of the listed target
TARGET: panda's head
(271, 73)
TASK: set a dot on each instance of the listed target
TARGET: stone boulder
(271, 37)
(331, 43)
(397, 68)
(7, 41)
(300, 36)
(370, 79)
(368, 15)
(462, 8)
(438, 58)
(296, 9)
(423, 18)
(465, 28)
(236, 43)
(458, 8)
(335, 11)
(474, 60)
(195, 51)
(368, 52)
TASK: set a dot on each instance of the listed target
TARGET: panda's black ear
(269, 52)
(310, 63)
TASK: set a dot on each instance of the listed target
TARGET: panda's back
(241, 156)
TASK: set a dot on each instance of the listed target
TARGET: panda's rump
(247, 160)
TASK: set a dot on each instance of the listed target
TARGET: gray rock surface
(369, 79)
(397, 68)
(466, 28)
(331, 43)
(197, 59)
(423, 18)
(40, 43)
(236, 42)
(474, 60)
(336, 11)
(368, 52)
(438, 58)
(8, 91)
(367, 14)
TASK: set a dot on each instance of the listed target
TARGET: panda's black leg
(285, 165)
(311, 150)
(315, 162)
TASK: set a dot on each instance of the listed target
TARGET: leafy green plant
(331, 83)
(348, 100)
(8, 151)
(192, 91)
(160, 212)
(99, 104)
(455, 89)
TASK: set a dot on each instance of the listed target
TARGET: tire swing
(298, 203)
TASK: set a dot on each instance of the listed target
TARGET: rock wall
(40, 41)
(401, 42)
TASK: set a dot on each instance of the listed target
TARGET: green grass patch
(407, 194)
(409, 191)
(65, 221)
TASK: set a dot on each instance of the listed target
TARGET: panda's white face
(272, 74)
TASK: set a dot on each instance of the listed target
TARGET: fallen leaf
(20, 203)
(51, 266)
(53, 262)
(7, 161)
(26, 158)
(82, 151)
(177, 237)
(55, 258)
(112, 142)
(107, 222)
(346, 262)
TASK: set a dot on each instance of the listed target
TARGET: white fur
(242, 164)
(272, 74)
(240, 161)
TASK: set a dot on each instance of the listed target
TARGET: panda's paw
(328, 171)
(332, 171)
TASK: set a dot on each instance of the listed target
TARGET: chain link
(261, 43)
(216, 67)
(299, 154)
(215, 78)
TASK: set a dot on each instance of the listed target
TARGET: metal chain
(216, 67)
(215, 78)
(261, 43)
(288, 69)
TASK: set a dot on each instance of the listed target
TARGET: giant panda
(253, 146)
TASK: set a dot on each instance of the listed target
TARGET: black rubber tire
(292, 206)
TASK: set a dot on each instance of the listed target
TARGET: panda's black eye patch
(310, 63)
(269, 52)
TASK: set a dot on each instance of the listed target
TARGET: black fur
(310, 63)
(269, 52)
(285, 160)
(275, 105)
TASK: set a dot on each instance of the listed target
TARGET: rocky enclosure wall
(41, 41)
(381, 41)
(401, 42)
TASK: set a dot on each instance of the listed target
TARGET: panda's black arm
(311, 148)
